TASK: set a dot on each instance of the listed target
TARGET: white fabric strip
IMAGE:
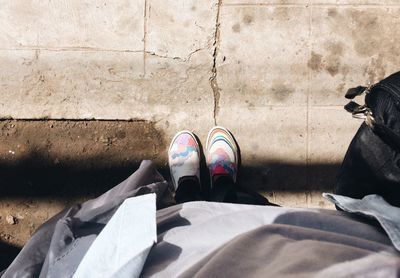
(121, 249)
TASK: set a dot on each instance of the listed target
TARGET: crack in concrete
(69, 48)
(146, 17)
(213, 79)
(177, 58)
(37, 50)
(46, 119)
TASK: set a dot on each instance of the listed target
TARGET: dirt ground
(48, 165)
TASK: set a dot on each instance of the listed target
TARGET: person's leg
(184, 163)
(223, 190)
(189, 189)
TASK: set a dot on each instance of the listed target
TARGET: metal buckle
(370, 120)
(364, 113)
(360, 112)
(368, 89)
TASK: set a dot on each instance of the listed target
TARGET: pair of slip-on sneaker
(221, 155)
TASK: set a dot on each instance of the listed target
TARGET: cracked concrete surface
(272, 71)
(213, 79)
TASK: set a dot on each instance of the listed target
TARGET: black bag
(372, 162)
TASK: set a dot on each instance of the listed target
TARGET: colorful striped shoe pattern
(222, 153)
(184, 156)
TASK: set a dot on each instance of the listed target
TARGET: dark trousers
(222, 190)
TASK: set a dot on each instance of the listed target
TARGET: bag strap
(353, 92)
(359, 111)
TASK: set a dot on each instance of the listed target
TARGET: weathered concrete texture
(147, 60)
(45, 82)
(311, 2)
(356, 2)
(330, 133)
(178, 29)
(179, 94)
(264, 145)
(113, 25)
(52, 84)
(310, 199)
(267, 2)
(282, 70)
(269, 65)
(351, 45)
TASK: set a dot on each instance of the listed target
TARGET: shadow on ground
(7, 254)
(30, 179)
(66, 183)
(64, 159)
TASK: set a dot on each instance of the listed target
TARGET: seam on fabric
(68, 252)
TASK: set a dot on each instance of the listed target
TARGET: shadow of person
(7, 254)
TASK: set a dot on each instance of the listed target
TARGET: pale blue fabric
(121, 249)
(372, 206)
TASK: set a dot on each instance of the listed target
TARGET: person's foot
(184, 157)
(222, 154)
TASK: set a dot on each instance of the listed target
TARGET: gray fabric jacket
(207, 239)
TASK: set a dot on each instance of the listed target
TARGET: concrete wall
(273, 72)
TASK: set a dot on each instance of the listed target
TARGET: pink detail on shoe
(219, 170)
(186, 140)
(219, 163)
